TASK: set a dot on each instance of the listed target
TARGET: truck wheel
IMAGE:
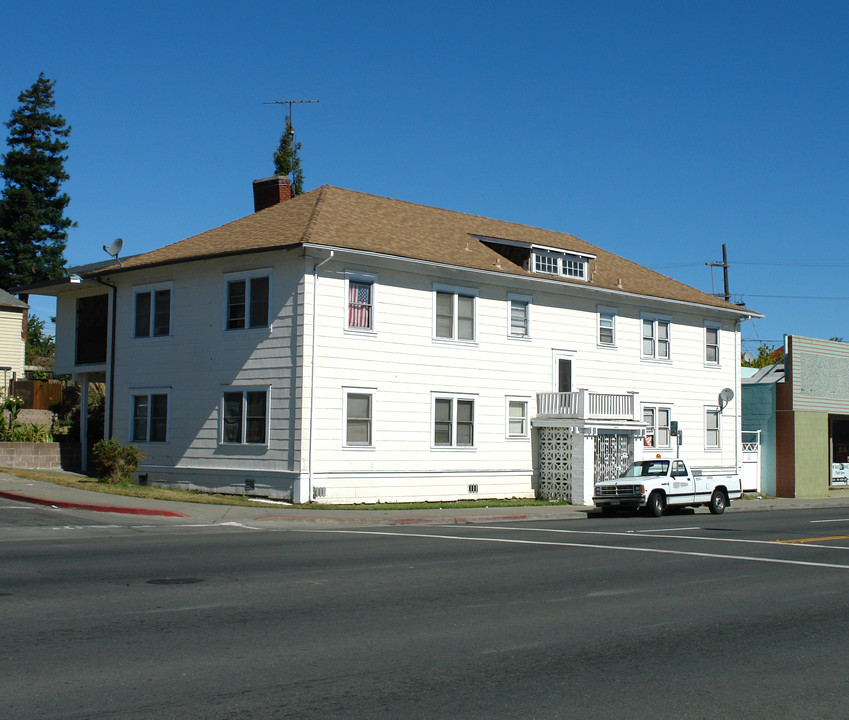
(718, 502)
(656, 504)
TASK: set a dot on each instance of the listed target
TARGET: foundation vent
(473, 489)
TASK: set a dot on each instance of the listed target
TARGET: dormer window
(560, 263)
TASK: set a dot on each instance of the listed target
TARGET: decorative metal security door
(612, 456)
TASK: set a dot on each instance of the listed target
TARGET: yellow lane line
(816, 539)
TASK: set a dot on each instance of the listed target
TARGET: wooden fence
(37, 394)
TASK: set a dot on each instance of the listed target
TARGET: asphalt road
(686, 616)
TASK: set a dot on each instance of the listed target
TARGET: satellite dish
(725, 397)
(749, 357)
(114, 249)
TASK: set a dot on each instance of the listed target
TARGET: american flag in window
(359, 304)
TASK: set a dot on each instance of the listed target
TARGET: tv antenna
(114, 249)
(289, 112)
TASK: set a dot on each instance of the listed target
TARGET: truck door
(681, 484)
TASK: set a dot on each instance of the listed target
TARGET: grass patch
(129, 489)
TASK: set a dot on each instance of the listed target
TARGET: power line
(799, 297)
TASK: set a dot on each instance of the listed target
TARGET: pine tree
(33, 226)
(286, 159)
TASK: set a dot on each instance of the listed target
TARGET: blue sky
(656, 130)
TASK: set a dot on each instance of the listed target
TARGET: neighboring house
(802, 410)
(13, 333)
(353, 348)
(759, 416)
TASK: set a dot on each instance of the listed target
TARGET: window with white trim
(656, 340)
(359, 408)
(248, 299)
(454, 313)
(566, 264)
(520, 315)
(606, 326)
(150, 417)
(657, 418)
(711, 345)
(517, 418)
(360, 301)
(712, 427)
(453, 421)
(244, 416)
(152, 310)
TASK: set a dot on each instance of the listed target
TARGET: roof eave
(735, 310)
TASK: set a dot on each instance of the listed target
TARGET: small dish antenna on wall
(725, 397)
(114, 249)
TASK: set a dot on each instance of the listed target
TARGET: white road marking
(16, 507)
(591, 546)
(831, 521)
(695, 527)
(645, 533)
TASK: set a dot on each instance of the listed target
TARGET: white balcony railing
(586, 405)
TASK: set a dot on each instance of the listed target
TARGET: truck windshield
(647, 467)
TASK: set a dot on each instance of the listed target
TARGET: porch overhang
(594, 426)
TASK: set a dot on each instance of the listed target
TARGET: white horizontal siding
(405, 365)
(200, 359)
(11, 343)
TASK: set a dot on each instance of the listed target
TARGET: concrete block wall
(40, 456)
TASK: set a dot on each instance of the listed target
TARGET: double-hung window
(712, 434)
(520, 316)
(248, 301)
(150, 417)
(656, 340)
(360, 302)
(657, 418)
(711, 345)
(606, 327)
(453, 421)
(517, 418)
(152, 312)
(244, 416)
(454, 313)
(359, 409)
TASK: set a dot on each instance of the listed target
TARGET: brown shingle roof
(341, 218)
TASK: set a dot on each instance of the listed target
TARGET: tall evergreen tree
(33, 226)
(286, 159)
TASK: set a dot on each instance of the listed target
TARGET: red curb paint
(95, 508)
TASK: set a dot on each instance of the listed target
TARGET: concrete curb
(95, 508)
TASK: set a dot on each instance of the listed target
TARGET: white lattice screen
(556, 456)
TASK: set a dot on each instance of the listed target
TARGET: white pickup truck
(658, 484)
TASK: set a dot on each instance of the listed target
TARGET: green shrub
(16, 431)
(116, 461)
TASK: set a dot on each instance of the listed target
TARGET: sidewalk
(59, 496)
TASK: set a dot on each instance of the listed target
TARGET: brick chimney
(270, 191)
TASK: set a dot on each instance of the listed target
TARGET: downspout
(111, 355)
(312, 367)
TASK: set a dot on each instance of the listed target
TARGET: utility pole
(724, 265)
